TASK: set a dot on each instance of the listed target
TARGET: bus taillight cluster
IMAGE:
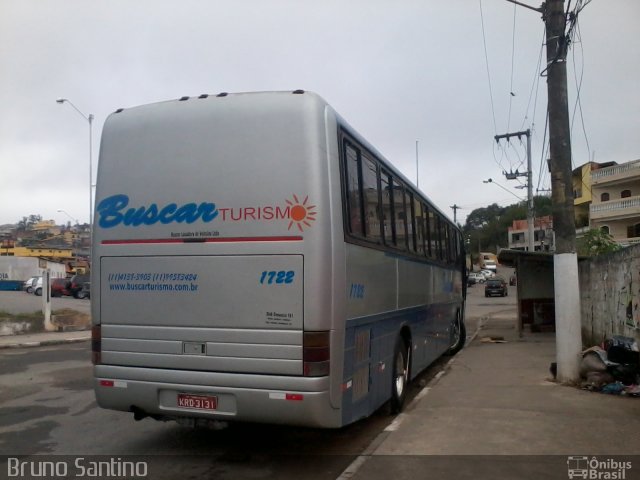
(316, 353)
(96, 344)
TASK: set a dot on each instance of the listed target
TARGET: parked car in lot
(496, 286)
(487, 274)
(85, 292)
(76, 283)
(29, 284)
(37, 287)
(58, 287)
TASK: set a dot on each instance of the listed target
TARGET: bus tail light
(96, 344)
(316, 353)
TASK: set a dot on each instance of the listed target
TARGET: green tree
(33, 219)
(22, 224)
(486, 229)
(597, 242)
(27, 222)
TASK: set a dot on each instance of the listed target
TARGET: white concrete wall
(22, 268)
(610, 296)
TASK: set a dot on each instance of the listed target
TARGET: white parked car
(476, 277)
(29, 284)
(487, 274)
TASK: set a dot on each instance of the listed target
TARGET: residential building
(44, 252)
(47, 240)
(47, 226)
(582, 192)
(615, 205)
(543, 236)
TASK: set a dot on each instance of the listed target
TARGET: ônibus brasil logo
(115, 210)
(593, 468)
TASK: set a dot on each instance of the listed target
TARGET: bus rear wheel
(458, 335)
(400, 378)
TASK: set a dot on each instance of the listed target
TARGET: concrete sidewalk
(44, 338)
(496, 406)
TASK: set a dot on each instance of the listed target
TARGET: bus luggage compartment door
(153, 309)
(261, 291)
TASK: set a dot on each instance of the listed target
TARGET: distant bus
(255, 259)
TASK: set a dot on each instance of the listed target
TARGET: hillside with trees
(486, 229)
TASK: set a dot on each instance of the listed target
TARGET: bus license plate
(198, 402)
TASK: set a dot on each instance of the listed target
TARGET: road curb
(351, 471)
(44, 343)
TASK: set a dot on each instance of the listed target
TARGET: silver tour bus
(255, 259)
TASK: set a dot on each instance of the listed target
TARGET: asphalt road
(22, 302)
(47, 406)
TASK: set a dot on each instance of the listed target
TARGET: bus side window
(454, 247)
(354, 201)
(387, 208)
(438, 237)
(433, 236)
(443, 239)
(400, 216)
(371, 200)
(411, 220)
(427, 230)
(419, 218)
(447, 243)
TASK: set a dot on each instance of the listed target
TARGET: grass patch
(37, 315)
(17, 323)
(30, 322)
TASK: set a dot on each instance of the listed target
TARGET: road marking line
(393, 426)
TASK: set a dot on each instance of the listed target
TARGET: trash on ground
(622, 350)
(613, 367)
(493, 339)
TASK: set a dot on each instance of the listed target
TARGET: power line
(578, 104)
(490, 180)
(535, 86)
(520, 160)
(513, 53)
(486, 57)
(543, 150)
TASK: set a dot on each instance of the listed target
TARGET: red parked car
(59, 287)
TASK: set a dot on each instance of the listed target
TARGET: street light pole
(88, 118)
(60, 210)
(490, 180)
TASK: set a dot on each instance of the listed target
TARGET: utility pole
(455, 207)
(565, 260)
(512, 176)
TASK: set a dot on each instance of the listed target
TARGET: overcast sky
(397, 71)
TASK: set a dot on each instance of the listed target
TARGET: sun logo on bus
(300, 213)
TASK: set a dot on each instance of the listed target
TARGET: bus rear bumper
(248, 398)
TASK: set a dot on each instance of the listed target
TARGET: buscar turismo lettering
(112, 213)
(115, 210)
